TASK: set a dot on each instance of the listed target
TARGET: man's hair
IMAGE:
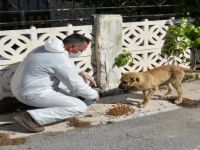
(75, 39)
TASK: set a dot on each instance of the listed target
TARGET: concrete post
(108, 31)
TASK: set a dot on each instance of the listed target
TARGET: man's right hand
(88, 78)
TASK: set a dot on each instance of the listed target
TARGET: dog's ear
(137, 79)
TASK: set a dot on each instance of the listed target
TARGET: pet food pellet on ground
(120, 110)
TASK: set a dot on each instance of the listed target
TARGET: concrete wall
(108, 46)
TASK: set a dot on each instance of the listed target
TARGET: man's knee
(81, 108)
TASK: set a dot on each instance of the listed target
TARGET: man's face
(72, 48)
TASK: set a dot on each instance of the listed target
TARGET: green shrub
(181, 36)
(123, 58)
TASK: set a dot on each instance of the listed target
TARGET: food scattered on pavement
(120, 110)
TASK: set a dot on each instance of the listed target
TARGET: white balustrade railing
(145, 40)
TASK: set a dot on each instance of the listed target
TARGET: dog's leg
(145, 93)
(168, 93)
(176, 82)
(179, 90)
(147, 97)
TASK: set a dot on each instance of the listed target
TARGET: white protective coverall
(36, 83)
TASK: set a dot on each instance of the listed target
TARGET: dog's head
(129, 81)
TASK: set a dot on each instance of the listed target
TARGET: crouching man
(36, 83)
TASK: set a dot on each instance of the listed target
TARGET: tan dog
(149, 81)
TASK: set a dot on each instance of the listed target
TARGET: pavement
(96, 112)
(173, 130)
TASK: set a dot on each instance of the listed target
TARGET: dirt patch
(120, 110)
(89, 115)
(5, 140)
(75, 122)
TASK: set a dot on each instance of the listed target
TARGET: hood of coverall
(54, 45)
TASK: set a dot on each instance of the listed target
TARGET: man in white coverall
(36, 83)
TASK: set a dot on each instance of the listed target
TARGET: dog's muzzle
(124, 89)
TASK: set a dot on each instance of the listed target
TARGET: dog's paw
(142, 105)
(177, 101)
(166, 97)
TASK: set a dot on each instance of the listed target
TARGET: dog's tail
(190, 70)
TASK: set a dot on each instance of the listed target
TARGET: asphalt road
(175, 130)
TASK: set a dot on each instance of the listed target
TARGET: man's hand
(87, 78)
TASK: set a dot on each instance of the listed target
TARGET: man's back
(40, 73)
(35, 73)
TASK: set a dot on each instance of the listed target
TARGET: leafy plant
(123, 58)
(181, 36)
